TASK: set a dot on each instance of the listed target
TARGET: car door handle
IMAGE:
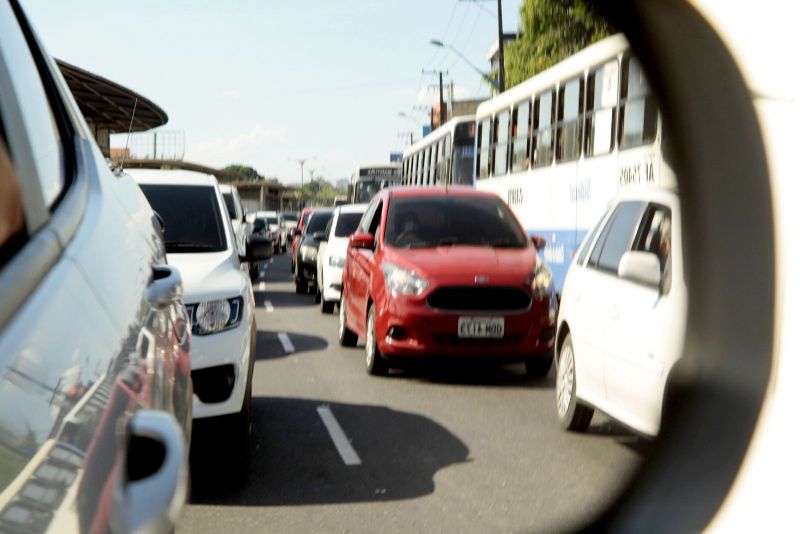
(154, 490)
(165, 287)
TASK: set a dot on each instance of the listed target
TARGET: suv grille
(480, 299)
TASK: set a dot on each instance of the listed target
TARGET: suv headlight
(403, 281)
(212, 316)
(542, 280)
(308, 253)
(336, 261)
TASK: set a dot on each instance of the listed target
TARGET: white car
(200, 241)
(241, 228)
(623, 315)
(333, 251)
(273, 227)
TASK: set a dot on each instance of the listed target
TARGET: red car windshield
(423, 222)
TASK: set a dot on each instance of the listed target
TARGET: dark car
(94, 337)
(305, 262)
(446, 272)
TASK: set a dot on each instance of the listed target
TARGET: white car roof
(171, 176)
(352, 208)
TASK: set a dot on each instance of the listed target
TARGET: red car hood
(462, 264)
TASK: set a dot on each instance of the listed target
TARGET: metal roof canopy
(109, 105)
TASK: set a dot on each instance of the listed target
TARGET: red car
(298, 231)
(435, 272)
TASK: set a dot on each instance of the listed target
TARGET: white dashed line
(262, 286)
(346, 451)
(283, 337)
(268, 306)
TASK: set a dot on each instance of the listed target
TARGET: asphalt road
(445, 449)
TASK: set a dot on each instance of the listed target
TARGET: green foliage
(240, 173)
(552, 30)
(319, 192)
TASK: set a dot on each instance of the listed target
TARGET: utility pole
(442, 109)
(501, 71)
(302, 162)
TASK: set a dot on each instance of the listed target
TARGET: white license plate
(481, 327)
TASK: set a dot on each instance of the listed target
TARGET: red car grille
(478, 298)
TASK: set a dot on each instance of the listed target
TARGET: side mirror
(363, 240)
(319, 236)
(152, 495)
(642, 267)
(539, 242)
(258, 248)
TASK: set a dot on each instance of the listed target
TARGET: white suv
(623, 315)
(333, 251)
(234, 206)
(200, 241)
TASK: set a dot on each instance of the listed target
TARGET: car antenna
(128, 138)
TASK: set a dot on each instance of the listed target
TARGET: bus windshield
(463, 154)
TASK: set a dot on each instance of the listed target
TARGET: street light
(409, 117)
(484, 75)
(302, 162)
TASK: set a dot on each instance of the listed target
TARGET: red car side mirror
(539, 242)
(363, 240)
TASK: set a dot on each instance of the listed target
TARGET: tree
(552, 30)
(240, 173)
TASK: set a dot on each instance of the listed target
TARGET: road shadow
(473, 373)
(639, 444)
(293, 460)
(283, 299)
(269, 347)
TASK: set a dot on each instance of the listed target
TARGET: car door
(636, 363)
(92, 330)
(360, 264)
(591, 338)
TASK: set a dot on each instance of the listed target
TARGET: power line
(446, 29)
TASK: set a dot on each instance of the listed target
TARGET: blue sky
(261, 83)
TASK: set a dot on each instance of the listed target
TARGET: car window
(656, 237)
(452, 220)
(375, 223)
(587, 243)
(366, 219)
(346, 224)
(192, 218)
(12, 221)
(318, 222)
(619, 237)
(272, 221)
(36, 141)
(230, 205)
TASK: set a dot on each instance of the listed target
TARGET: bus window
(463, 154)
(637, 110)
(415, 175)
(444, 157)
(434, 163)
(543, 118)
(500, 148)
(483, 148)
(568, 129)
(520, 131)
(601, 102)
(426, 163)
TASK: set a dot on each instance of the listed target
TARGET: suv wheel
(573, 414)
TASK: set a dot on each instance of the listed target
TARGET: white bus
(444, 156)
(559, 146)
(369, 179)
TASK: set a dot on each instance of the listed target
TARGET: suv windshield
(452, 220)
(192, 219)
(346, 224)
(272, 221)
(319, 221)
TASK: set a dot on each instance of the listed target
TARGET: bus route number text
(637, 174)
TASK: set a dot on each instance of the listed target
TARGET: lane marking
(283, 337)
(262, 286)
(268, 306)
(346, 451)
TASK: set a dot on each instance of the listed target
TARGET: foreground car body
(199, 241)
(94, 340)
(622, 318)
(413, 298)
